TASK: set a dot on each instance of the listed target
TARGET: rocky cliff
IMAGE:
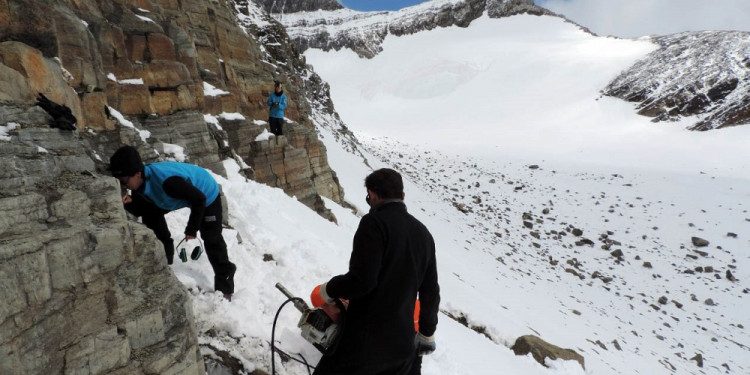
(86, 290)
(160, 64)
(703, 75)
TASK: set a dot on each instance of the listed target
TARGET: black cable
(273, 338)
(306, 364)
(302, 362)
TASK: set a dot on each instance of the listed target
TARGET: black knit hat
(125, 162)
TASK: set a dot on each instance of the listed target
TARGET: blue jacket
(156, 173)
(277, 111)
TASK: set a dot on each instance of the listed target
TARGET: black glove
(275, 104)
(425, 345)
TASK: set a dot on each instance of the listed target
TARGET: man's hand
(425, 345)
(333, 310)
(126, 199)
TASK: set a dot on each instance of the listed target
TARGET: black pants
(276, 124)
(416, 367)
(210, 229)
(332, 366)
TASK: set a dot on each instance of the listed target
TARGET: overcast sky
(626, 18)
(632, 18)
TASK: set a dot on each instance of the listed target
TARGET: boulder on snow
(730, 277)
(699, 242)
(698, 358)
(541, 350)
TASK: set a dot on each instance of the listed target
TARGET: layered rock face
(84, 289)
(296, 161)
(704, 75)
(364, 32)
(152, 61)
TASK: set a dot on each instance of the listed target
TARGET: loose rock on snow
(699, 242)
(541, 350)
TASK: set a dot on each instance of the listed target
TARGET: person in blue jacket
(276, 104)
(162, 187)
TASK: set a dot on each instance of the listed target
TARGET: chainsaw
(315, 325)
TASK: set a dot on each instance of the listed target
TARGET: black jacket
(393, 258)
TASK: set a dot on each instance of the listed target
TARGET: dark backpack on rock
(62, 116)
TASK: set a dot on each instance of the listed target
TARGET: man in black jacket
(393, 259)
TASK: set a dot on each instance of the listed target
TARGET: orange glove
(416, 316)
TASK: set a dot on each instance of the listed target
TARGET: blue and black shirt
(173, 185)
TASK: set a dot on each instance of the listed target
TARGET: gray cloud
(633, 18)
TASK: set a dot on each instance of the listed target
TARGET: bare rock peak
(703, 75)
(293, 6)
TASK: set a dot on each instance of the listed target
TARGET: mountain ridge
(704, 75)
(706, 84)
(364, 32)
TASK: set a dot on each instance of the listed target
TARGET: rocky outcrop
(189, 130)
(154, 63)
(506, 8)
(698, 75)
(311, 101)
(84, 289)
(541, 350)
(25, 71)
(295, 161)
(364, 32)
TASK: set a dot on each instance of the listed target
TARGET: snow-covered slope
(504, 278)
(469, 115)
(276, 239)
(522, 85)
(556, 211)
